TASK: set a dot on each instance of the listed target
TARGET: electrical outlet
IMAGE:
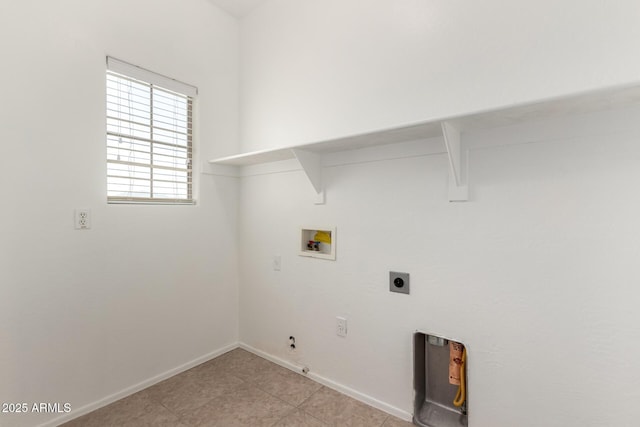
(341, 326)
(82, 219)
(399, 282)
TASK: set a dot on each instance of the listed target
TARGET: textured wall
(86, 314)
(536, 273)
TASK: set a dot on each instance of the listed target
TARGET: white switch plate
(82, 219)
(341, 326)
(276, 263)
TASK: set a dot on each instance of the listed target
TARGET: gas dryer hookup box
(440, 381)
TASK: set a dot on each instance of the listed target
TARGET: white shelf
(383, 137)
(448, 127)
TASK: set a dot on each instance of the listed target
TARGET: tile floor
(238, 389)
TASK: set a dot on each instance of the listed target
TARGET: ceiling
(237, 8)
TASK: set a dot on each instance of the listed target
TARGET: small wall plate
(399, 282)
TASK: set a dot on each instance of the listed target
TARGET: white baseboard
(364, 398)
(136, 388)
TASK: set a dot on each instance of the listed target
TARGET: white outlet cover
(341, 326)
(82, 219)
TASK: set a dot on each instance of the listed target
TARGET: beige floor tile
(89, 420)
(244, 365)
(185, 393)
(287, 385)
(219, 385)
(240, 363)
(396, 422)
(206, 371)
(324, 404)
(132, 410)
(159, 418)
(336, 409)
(237, 389)
(299, 418)
(235, 356)
(245, 406)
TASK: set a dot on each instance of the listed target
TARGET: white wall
(315, 70)
(86, 314)
(541, 259)
(536, 274)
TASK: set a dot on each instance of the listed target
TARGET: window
(149, 138)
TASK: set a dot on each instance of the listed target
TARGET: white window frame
(161, 163)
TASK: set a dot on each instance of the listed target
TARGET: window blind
(139, 73)
(149, 138)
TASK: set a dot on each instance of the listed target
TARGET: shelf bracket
(458, 159)
(312, 167)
